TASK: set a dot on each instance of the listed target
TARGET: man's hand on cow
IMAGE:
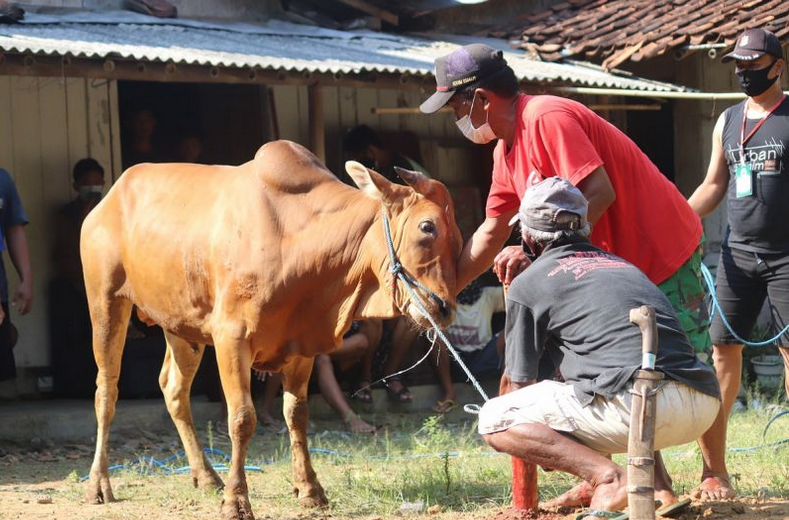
(23, 299)
(509, 263)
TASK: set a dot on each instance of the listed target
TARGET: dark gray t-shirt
(574, 303)
(759, 222)
(11, 214)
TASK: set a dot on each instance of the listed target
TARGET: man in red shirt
(637, 213)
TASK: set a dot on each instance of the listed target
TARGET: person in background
(139, 146)
(364, 145)
(355, 352)
(190, 149)
(13, 220)
(88, 183)
(471, 334)
(750, 168)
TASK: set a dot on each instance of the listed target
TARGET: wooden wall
(48, 124)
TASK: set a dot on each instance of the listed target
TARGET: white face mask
(482, 135)
(91, 192)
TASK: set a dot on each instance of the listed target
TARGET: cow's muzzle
(445, 311)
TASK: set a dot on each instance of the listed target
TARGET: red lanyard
(745, 138)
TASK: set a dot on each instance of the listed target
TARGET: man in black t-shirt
(750, 167)
(573, 304)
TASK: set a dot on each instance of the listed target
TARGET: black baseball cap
(462, 68)
(753, 44)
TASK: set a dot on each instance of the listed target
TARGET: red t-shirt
(650, 223)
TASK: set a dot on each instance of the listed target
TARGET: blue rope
(397, 270)
(716, 307)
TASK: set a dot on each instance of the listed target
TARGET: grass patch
(443, 465)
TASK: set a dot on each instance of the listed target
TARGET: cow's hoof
(99, 491)
(208, 481)
(312, 498)
(236, 509)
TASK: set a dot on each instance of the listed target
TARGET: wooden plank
(6, 124)
(349, 116)
(317, 134)
(114, 170)
(331, 124)
(287, 106)
(366, 100)
(387, 98)
(304, 115)
(99, 133)
(76, 119)
(53, 66)
(56, 168)
(27, 170)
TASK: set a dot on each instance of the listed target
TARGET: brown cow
(270, 262)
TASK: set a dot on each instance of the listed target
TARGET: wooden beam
(315, 114)
(118, 69)
(373, 10)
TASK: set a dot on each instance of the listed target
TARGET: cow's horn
(418, 181)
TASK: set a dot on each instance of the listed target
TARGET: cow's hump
(291, 167)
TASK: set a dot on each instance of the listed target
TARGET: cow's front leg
(296, 375)
(234, 359)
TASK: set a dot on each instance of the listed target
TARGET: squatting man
(572, 304)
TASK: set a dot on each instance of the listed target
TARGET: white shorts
(683, 414)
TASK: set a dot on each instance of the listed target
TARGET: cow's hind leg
(181, 362)
(296, 375)
(109, 316)
(235, 367)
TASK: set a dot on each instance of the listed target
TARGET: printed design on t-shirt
(767, 158)
(464, 335)
(582, 263)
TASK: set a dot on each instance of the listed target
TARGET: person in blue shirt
(13, 220)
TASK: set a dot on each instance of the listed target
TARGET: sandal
(674, 509)
(402, 396)
(444, 405)
(363, 394)
(599, 513)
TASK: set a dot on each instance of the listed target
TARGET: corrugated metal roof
(274, 45)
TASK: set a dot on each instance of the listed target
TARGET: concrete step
(65, 420)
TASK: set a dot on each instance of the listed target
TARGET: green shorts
(685, 290)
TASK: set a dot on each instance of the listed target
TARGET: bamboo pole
(641, 442)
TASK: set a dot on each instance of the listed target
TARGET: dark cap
(753, 44)
(552, 205)
(461, 68)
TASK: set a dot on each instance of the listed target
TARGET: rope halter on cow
(396, 269)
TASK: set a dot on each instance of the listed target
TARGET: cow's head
(425, 237)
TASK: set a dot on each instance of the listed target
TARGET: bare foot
(611, 493)
(356, 425)
(578, 496)
(714, 487)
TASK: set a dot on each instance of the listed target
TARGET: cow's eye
(427, 226)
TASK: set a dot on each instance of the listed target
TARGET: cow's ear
(418, 181)
(372, 184)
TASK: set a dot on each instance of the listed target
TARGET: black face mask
(754, 81)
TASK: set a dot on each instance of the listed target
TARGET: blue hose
(716, 307)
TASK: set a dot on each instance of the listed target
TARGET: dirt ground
(41, 483)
